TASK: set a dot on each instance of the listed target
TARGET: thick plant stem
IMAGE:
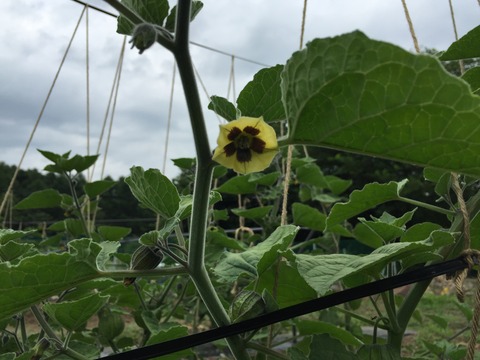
(203, 178)
(412, 299)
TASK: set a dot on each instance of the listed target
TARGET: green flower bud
(40, 348)
(144, 258)
(110, 324)
(144, 36)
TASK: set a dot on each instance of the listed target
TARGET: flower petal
(263, 147)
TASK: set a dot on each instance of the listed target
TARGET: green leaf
(113, 233)
(108, 249)
(419, 232)
(468, 46)
(13, 250)
(311, 174)
(441, 178)
(37, 277)
(185, 163)
(151, 11)
(472, 77)
(42, 199)
(238, 185)
(220, 239)
(223, 108)
(264, 179)
(369, 97)
(8, 234)
(172, 331)
(96, 188)
(254, 213)
(361, 200)
(262, 96)
(378, 352)
(170, 23)
(386, 232)
(289, 286)
(322, 271)
(325, 347)
(304, 215)
(255, 260)
(154, 190)
(78, 163)
(72, 315)
(311, 327)
(151, 238)
(439, 320)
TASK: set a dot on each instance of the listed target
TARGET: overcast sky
(35, 34)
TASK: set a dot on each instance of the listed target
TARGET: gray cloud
(35, 34)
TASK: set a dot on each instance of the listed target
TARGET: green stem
(203, 178)
(427, 206)
(360, 317)
(135, 19)
(77, 204)
(412, 299)
(49, 331)
(266, 350)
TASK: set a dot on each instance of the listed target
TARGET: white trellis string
(113, 94)
(231, 80)
(87, 74)
(204, 88)
(288, 166)
(14, 177)
(114, 106)
(410, 26)
(169, 118)
(452, 15)
(115, 87)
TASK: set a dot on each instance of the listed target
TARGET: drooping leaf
(383, 231)
(419, 231)
(359, 95)
(262, 96)
(475, 231)
(311, 327)
(72, 315)
(223, 108)
(468, 46)
(312, 175)
(238, 185)
(264, 179)
(253, 213)
(151, 11)
(304, 215)
(361, 200)
(37, 277)
(255, 260)
(96, 188)
(221, 239)
(42, 199)
(378, 351)
(322, 271)
(170, 332)
(291, 288)
(325, 347)
(154, 190)
(113, 233)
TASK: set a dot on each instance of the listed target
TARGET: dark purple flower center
(243, 143)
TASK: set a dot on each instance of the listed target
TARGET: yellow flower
(246, 145)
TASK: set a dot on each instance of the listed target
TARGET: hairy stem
(203, 178)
